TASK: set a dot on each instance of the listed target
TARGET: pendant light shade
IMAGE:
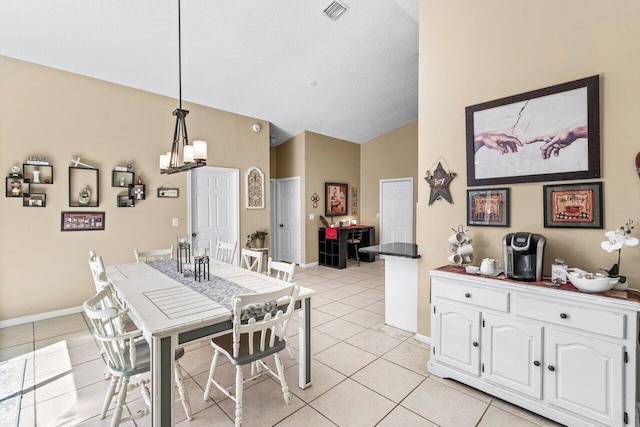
(192, 156)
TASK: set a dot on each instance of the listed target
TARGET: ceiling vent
(335, 10)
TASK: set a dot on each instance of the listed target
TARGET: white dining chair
(98, 272)
(128, 355)
(281, 270)
(154, 254)
(258, 325)
(226, 252)
(251, 260)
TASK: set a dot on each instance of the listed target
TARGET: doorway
(396, 210)
(213, 207)
(287, 243)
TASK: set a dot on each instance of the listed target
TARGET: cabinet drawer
(470, 294)
(587, 319)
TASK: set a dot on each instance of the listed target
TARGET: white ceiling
(251, 57)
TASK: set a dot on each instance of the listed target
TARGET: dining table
(173, 309)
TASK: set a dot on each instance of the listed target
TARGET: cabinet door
(585, 375)
(512, 354)
(457, 337)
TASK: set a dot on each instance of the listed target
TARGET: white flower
(617, 239)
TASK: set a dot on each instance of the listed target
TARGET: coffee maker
(523, 254)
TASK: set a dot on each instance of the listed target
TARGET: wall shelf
(79, 179)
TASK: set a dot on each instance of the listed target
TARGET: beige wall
(317, 159)
(327, 160)
(392, 155)
(471, 52)
(61, 115)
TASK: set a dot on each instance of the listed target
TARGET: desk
(334, 252)
(171, 314)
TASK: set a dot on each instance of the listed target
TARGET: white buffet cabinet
(568, 356)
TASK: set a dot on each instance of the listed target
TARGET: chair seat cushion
(258, 310)
(224, 344)
(143, 360)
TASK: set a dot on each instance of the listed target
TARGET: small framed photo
(488, 207)
(573, 205)
(335, 198)
(82, 221)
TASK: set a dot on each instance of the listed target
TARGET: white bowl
(599, 282)
(472, 269)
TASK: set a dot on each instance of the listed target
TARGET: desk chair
(128, 355)
(226, 252)
(258, 327)
(251, 260)
(153, 255)
(354, 240)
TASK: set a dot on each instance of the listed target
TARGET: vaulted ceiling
(285, 61)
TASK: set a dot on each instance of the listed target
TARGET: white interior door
(273, 219)
(214, 199)
(288, 219)
(396, 210)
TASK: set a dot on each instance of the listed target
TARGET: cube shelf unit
(46, 173)
(34, 200)
(24, 186)
(80, 178)
(122, 179)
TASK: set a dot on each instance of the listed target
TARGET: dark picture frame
(489, 207)
(573, 205)
(82, 221)
(550, 134)
(168, 193)
(335, 199)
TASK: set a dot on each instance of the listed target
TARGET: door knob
(193, 234)
(551, 368)
(281, 225)
(536, 363)
(475, 344)
(563, 315)
(467, 295)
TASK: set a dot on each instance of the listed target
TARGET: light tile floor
(365, 373)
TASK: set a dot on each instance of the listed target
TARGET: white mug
(465, 250)
(468, 259)
(489, 266)
(455, 259)
(456, 238)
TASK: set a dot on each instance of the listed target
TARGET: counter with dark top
(405, 250)
(400, 283)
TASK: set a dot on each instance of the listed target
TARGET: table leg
(162, 379)
(304, 344)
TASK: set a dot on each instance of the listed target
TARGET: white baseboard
(423, 339)
(311, 264)
(40, 316)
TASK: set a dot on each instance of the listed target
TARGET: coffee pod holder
(460, 247)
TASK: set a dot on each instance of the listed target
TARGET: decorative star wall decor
(439, 181)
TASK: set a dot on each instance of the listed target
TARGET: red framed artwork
(573, 205)
(335, 198)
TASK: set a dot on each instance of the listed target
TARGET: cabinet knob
(475, 344)
(467, 295)
(551, 368)
(536, 363)
(563, 315)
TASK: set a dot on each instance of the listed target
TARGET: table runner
(216, 288)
